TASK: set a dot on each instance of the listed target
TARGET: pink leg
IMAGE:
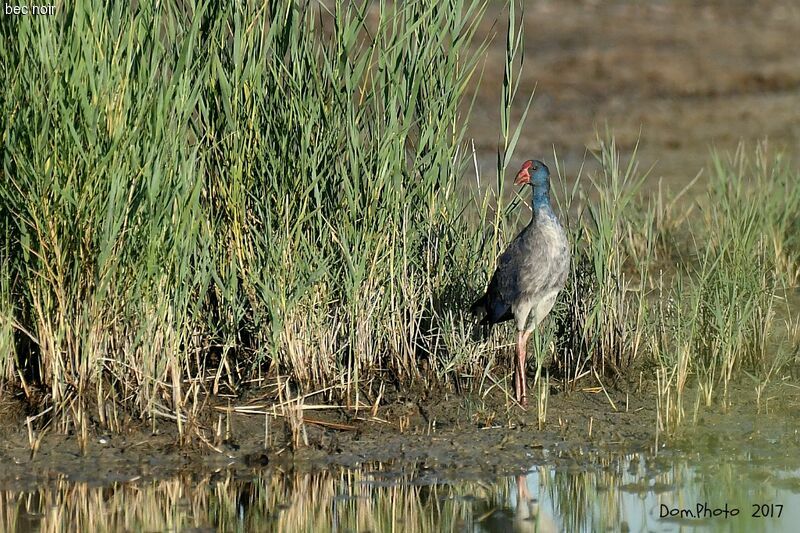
(520, 385)
(517, 384)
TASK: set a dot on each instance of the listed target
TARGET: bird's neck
(541, 201)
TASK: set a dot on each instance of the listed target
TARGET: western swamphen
(530, 273)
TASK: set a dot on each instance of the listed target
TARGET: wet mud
(468, 437)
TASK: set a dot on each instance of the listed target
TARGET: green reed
(196, 199)
(721, 317)
(193, 191)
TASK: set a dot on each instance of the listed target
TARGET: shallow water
(628, 492)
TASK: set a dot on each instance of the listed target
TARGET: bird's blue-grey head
(537, 175)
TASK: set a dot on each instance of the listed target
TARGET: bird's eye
(535, 168)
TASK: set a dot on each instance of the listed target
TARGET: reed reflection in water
(623, 493)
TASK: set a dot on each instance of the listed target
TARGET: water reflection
(623, 493)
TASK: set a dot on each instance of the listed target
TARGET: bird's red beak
(523, 177)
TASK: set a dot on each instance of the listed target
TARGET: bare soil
(440, 435)
(438, 431)
(681, 76)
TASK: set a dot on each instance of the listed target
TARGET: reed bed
(196, 200)
(193, 192)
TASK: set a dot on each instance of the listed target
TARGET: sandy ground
(690, 76)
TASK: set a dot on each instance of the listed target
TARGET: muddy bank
(469, 437)
(470, 433)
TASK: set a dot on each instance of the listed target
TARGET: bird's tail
(478, 308)
(481, 330)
